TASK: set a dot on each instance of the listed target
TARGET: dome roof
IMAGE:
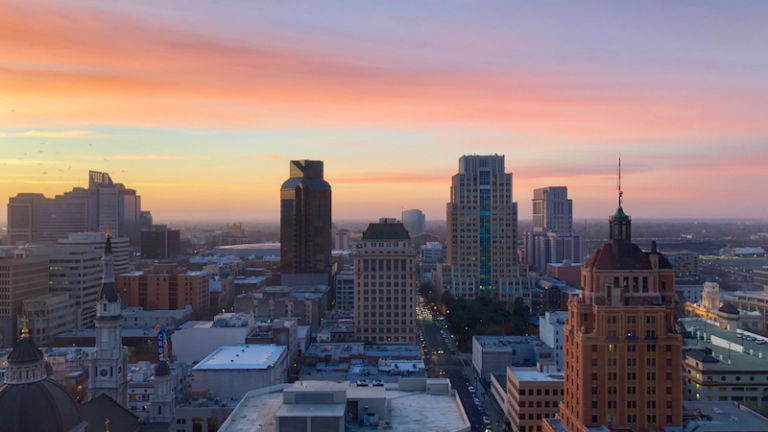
(40, 406)
(25, 352)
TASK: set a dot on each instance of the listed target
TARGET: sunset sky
(199, 105)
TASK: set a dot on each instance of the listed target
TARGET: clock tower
(108, 371)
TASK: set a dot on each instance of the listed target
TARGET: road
(458, 372)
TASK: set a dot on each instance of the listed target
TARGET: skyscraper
(104, 204)
(305, 220)
(622, 349)
(482, 232)
(414, 221)
(23, 276)
(552, 239)
(385, 295)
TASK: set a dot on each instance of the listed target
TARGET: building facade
(552, 239)
(551, 333)
(622, 347)
(77, 270)
(386, 285)
(165, 287)
(305, 220)
(482, 232)
(23, 276)
(345, 289)
(49, 315)
(414, 221)
(532, 396)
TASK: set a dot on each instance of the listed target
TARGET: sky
(200, 104)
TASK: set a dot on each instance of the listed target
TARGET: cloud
(153, 157)
(50, 134)
(268, 158)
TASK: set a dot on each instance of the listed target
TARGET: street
(457, 367)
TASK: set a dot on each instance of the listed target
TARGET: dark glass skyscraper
(305, 220)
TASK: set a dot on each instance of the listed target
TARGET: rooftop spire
(618, 183)
(24, 329)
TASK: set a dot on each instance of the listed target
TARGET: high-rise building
(49, 315)
(96, 241)
(103, 206)
(414, 221)
(552, 240)
(23, 276)
(345, 289)
(482, 232)
(305, 220)
(108, 372)
(385, 285)
(79, 271)
(622, 347)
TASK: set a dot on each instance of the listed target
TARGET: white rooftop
(534, 375)
(245, 356)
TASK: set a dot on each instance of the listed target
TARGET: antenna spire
(618, 184)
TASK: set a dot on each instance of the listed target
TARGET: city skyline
(202, 112)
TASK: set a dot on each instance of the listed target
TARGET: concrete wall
(191, 345)
(234, 383)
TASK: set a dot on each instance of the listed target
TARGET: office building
(760, 278)
(414, 222)
(532, 396)
(551, 333)
(166, 286)
(23, 276)
(78, 270)
(686, 264)
(160, 242)
(103, 206)
(482, 232)
(413, 405)
(385, 284)
(552, 239)
(305, 220)
(345, 289)
(622, 347)
(49, 315)
(121, 249)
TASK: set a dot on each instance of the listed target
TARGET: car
(488, 429)
(740, 335)
(378, 383)
(486, 420)
(760, 341)
(471, 389)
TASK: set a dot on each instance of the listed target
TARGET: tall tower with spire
(108, 371)
(621, 346)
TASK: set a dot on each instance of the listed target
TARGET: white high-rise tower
(108, 372)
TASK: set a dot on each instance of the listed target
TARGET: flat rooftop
(506, 343)
(536, 376)
(722, 416)
(411, 411)
(743, 353)
(242, 357)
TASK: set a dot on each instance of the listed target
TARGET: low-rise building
(532, 396)
(492, 354)
(701, 416)
(165, 287)
(232, 371)
(194, 340)
(725, 366)
(551, 333)
(137, 317)
(412, 405)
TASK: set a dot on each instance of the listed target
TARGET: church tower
(108, 371)
(162, 399)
